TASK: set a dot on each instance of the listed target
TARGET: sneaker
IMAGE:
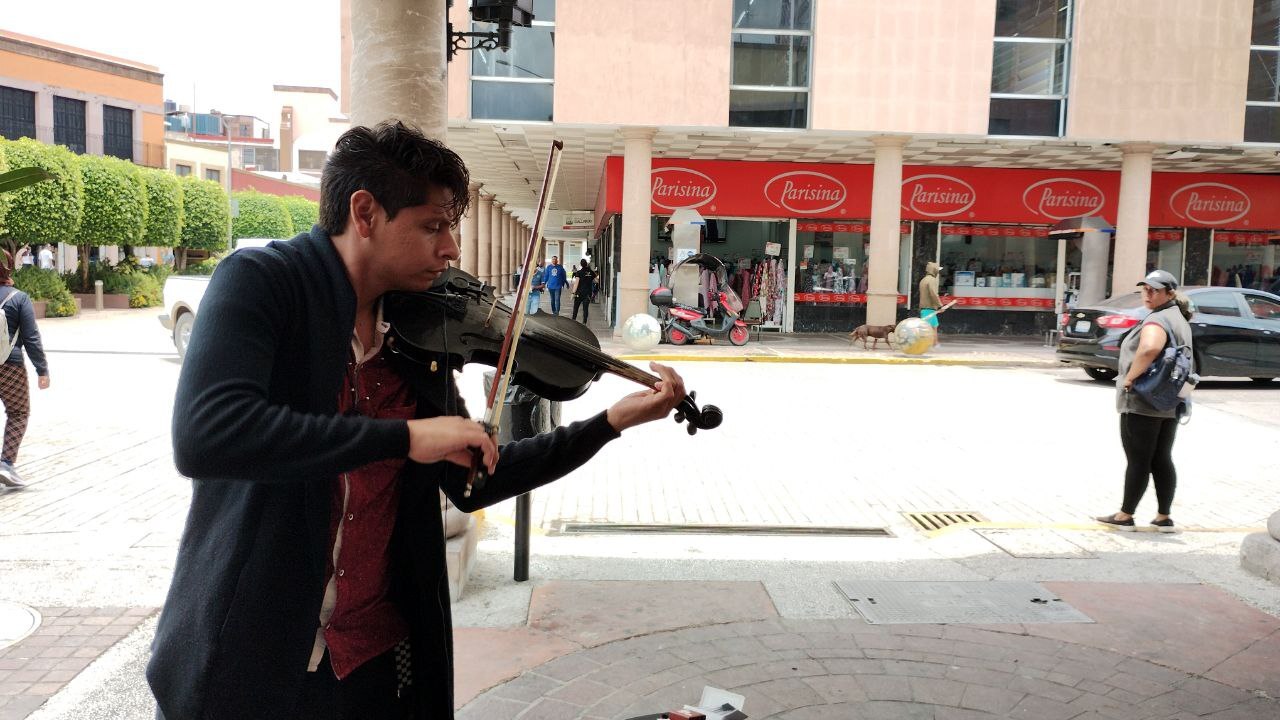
(9, 477)
(1113, 521)
(1164, 526)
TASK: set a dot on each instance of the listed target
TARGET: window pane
(1011, 116)
(772, 14)
(68, 123)
(544, 10)
(17, 113)
(1028, 68)
(1263, 65)
(1032, 18)
(117, 132)
(1263, 309)
(763, 108)
(1266, 22)
(511, 101)
(771, 60)
(182, 170)
(1262, 124)
(211, 174)
(532, 55)
(1217, 303)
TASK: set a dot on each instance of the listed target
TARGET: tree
(304, 212)
(261, 216)
(46, 212)
(206, 217)
(164, 209)
(115, 206)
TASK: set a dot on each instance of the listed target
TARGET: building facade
(833, 148)
(90, 102)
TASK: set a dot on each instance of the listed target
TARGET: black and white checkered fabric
(404, 667)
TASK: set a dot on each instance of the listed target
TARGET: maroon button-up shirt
(364, 622)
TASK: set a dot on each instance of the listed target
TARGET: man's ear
(364, 208)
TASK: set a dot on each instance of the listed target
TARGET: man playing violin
(311, 580)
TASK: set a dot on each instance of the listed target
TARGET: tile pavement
(66, 642)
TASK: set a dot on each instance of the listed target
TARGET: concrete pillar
(470, 232)
(886, 222)
(1093, 267)
(504, 268)
(484, 237)
(398, 63)
(637, 201)
(495, 255)
(44, 120)
(1133, 218)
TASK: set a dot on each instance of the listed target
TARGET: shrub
(204, 267)
(302, 211)
(206, 215)
(261, 216)
(164, 209)
(49, 211)
(46, 285)
(115, 202)
(142, 287)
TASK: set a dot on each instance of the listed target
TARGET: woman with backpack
(20, 332)
(1147, 433)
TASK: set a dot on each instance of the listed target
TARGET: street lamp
(504, 13)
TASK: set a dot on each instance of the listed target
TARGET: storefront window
(1000, 266)
(1245, 259)
(1165, 250)
(831, 280)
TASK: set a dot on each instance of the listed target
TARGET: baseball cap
(1160, 280)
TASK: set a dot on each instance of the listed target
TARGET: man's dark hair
(397, 164)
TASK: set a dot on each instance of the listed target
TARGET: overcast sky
(225, 54)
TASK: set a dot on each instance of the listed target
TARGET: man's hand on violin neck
(450, 438)
(648, 405)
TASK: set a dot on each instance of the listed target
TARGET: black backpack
(1161, 383)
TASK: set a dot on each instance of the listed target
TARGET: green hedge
(204, 267)
(206, 215)
(46, 285)
(164, 208)
(49, 211)
(115, 202)
(142, 286)
(302, 211)
(261, 216)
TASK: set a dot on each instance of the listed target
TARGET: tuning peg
(680, 416)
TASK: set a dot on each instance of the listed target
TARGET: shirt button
(341, 572)
(351, 516)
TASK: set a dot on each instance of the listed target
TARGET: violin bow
(515, 326)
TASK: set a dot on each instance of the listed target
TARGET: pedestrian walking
(1146, 433)
(556, 278)
(930, 300)
(21, 334)
(584, 286)
(311, 580)
(537, 284)
(46, 258)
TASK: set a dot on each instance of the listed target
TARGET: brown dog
(875, 332)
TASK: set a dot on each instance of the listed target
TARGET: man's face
(555, 260)
(415, 247)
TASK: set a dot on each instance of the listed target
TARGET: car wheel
(1100, 374)
(1262, 381)
(182, 333)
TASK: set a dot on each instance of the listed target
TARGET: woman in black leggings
(1146, 433)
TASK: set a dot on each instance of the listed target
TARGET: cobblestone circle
(808, 669)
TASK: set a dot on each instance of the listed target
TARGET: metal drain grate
(586, 528)
(936, 520)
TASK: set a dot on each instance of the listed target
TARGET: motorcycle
(682, 324)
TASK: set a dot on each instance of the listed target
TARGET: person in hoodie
(929, 297)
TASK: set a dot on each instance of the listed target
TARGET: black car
(1235, 333)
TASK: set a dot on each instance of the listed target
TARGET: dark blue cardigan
(20, 316)
(255, 425)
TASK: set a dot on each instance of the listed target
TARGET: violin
(557, 358)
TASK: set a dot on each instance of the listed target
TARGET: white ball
(641, 332)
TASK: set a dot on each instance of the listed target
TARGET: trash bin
(525, 414)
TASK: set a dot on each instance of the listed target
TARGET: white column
(470, 231)
(637, 201)
(1093, 267)
(508, 233)
(398, 67)
(1133, 218)
(44, 117)
(495, 255)
(484, 237)
(93, 126)
(886, 221)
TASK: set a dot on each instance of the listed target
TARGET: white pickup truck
(182, 295)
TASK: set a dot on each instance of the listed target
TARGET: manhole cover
(16, 622)
(888, 603)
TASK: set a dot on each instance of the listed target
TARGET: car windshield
(1128, 300)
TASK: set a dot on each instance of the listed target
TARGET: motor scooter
(683, 324)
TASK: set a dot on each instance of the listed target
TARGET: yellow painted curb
(511, 522)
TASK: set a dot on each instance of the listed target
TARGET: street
(1034, 450)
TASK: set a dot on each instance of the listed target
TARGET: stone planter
(41, 307)
(110, 301)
